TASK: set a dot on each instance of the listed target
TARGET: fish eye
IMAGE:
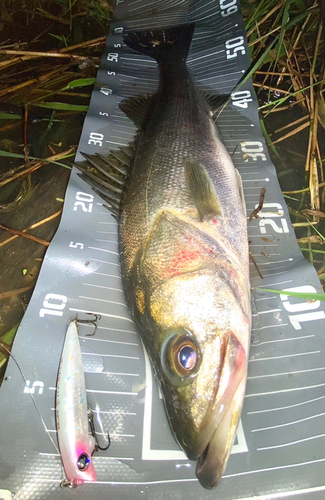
(187, 357)
(181, 357)
(83, 462)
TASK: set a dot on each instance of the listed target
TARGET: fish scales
(179, 128)
(168, 263)
(184, 256)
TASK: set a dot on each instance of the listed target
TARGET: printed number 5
(76, 245)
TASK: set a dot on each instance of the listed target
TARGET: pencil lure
(73, 415)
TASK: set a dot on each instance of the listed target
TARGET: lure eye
(187, 357)
(181, 357)
(83, 462)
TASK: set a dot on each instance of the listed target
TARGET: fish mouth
(213, 461)
(214, 443)
(209, 467)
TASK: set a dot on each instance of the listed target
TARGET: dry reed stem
(314, 238)
(256, 266)
(311, 162)
(303, 190)
(19, 86)
(262, 37)
(279, 109)
(303, 118)
(303, 224)
(268, 87)
(25, 235)
(36, 165)
(48, 15)
(292, 132)
(96, 41)
(269, 14)
(35, 54)
(313, 213)
(12, 293)
(314, 186)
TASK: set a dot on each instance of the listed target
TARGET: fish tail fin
(162, 43)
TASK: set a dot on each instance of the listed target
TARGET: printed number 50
(234, 46)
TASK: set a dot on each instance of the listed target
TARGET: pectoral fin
(241, 190)
(202, 190)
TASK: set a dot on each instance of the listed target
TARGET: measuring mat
(279, 451)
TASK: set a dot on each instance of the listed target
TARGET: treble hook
(97, 317)
(93, 432)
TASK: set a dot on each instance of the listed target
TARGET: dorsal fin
(106, 173)
(137, 108)
(215, 102)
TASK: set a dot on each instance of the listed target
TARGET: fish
(72, 419)
(184, 253)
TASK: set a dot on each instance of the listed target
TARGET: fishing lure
(73, 416)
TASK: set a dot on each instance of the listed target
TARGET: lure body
(75, 442)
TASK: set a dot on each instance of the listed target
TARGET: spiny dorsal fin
(137, 108)
(202, 190)
(106, 173)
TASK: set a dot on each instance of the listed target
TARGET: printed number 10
(302, 307)
(53, 305)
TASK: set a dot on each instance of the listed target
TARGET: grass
(286, 39)
(301, 295)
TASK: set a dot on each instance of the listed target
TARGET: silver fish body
(183, 233)
(184, 255)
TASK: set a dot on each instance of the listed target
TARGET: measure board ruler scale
(280, 442)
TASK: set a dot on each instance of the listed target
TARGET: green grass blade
(15, 155)
(290, 197)
(81, 82)
(62, 106)
(301, 295)
(9, 116)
